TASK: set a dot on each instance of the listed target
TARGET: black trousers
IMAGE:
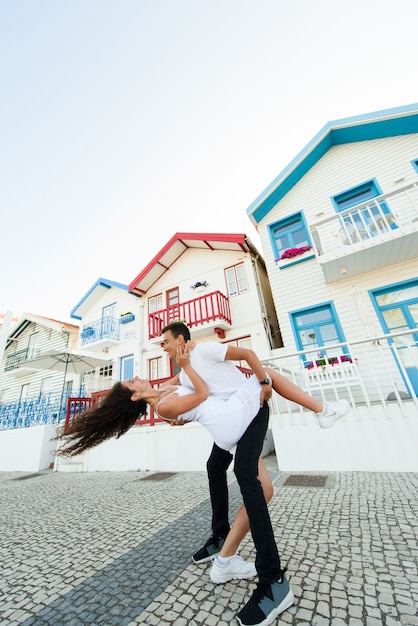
(247, 453)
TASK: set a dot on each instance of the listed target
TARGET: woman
(128, 400)
(239, 425)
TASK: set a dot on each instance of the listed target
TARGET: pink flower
(291, 252)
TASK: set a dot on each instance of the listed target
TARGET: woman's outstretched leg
(327, 413)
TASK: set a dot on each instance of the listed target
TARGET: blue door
(398, 310)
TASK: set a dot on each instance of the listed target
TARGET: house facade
(30, 398)
(218, 285)
(339, 234)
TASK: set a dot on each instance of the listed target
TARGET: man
(213, 362)
(222, 378)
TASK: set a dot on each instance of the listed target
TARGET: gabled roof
(377, 125)
(177, 245)
(29, 318)
(101, 285)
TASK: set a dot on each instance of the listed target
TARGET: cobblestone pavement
(113, 549)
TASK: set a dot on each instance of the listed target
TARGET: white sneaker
(332, 412)
(236, 567)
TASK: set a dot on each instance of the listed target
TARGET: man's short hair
(176, 329)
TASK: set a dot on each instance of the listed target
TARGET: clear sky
(125, 121)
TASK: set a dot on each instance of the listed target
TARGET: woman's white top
(225, 419)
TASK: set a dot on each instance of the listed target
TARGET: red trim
(182, 238)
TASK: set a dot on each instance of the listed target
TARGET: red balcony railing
(211, 307)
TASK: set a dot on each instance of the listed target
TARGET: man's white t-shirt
(222, 377)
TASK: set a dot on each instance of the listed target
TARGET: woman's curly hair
(112, 418)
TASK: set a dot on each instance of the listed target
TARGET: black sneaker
(211, 548)
(266, 603)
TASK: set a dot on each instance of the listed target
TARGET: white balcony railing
(373, 234)
(374, 373)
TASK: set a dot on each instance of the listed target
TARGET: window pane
(242, 279)
(231, 282)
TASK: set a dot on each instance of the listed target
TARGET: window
(106, 371)
(33, 340)
(291, 232)
(361, 224)
(109, 310)
(236, 279)
(154, 368)
(155, 303)
(315, 328)
(4, 394)
(24, 392)
(173, 299)
(242, 342)
(127, 367)
(46, 385)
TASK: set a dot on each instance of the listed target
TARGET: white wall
(367, 442)
(160, 448)
(27, 449)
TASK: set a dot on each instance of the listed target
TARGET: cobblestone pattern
(109, 549)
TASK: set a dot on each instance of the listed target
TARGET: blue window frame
(365, 219)
(415, 164)
(291, 232)
(126, 367)
(315, 328)
(397, 308)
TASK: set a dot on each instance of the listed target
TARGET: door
(397, 307)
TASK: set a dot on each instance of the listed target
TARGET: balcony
(101, 334)
(15, 363)
(375, 234)
(209, 312)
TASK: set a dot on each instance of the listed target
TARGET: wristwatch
(265, 382)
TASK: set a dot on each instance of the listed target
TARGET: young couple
(211, 390)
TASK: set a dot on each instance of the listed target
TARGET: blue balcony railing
(105, 328)
(44, 409)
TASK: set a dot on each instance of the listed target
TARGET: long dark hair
(112, 418)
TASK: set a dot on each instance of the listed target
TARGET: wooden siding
(388, 161)
(48, 339)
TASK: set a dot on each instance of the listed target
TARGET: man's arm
(235, 353)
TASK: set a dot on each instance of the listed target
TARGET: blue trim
(377, 125)
(340, 197)
(278, 223)
(415, 164)
(334, 316)
(100, 282)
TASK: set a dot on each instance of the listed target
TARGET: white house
(218, 284)
(339, 234)
(29, 397)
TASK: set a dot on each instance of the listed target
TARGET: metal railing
(389, 215)
(105, 328)
(376, 372)
(43, 409)
(13, 361)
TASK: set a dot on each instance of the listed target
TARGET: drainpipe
(261, 300)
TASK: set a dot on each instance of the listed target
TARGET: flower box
(292, 256)
(332, 360)
(127, 317)
(87, 332)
